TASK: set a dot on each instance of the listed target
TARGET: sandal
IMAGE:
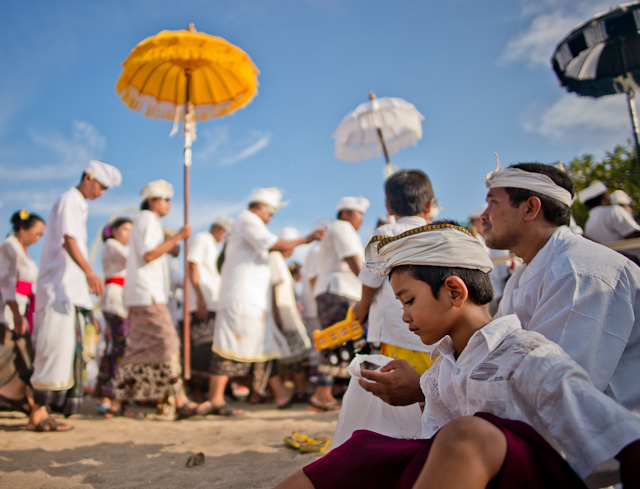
(223, 410)
(187, 410)
(313, 445)
(49, 424)
(330, 406)
(295, 440)
(123, 412)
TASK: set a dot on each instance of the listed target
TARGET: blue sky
(479, 72)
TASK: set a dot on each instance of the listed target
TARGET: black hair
(145, 205)
(84, 174)
(478, 282)
(594, 202)
(408, 192)
(554, 211)
(107, 231)
(18, 223)
(295, 267)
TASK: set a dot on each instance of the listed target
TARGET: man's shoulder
(578, 255)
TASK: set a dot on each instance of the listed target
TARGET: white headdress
(107, 175)
(442, 245)
(353, 204)
(158, 189)
(536, 182)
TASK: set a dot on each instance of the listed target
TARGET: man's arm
(396, 383)
(71, 247)
(354, 264)
(167, 245)
(289, 244)
(361, 308)
(201, 305)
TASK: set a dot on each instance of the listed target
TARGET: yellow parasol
(187, 76)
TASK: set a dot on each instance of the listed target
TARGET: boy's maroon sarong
(369, 460)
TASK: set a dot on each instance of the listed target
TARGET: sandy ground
(240, 452)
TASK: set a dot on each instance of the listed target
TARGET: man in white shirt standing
(242, 343)
(607, 222)
(63, 300)
(203, 296)
(337, 284)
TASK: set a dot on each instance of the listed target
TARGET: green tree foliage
(618, 170)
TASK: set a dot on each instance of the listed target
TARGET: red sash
(24, 288)
(115, 280)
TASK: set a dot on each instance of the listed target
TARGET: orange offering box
(338, 333)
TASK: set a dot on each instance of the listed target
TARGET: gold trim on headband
(385, 240)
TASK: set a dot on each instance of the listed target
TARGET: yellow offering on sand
(338, 333)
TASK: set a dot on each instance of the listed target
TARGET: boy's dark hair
(554, 211)
(478, 283)
(408, 192)
(144, 206)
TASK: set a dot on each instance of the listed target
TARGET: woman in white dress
(114, 261)
(18, 273)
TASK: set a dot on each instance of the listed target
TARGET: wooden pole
(189, 124)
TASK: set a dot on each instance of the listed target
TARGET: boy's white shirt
(520, 375)
(385, 315)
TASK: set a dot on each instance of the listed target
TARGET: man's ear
(427, 209)
(456, 290)
(532, 208)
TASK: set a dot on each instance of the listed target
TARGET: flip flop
(313, 445)
(48, 425)
(330, 406)
(223, 410)
(295, 440)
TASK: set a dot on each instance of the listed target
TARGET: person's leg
(295, 481)
(467, 452)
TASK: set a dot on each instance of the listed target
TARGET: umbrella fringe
(166, 110)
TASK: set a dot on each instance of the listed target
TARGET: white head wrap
(270, 196)
(289, 233)
(620, 197)
(106, 174)
(536, 182)
(592, 191)
(359, 204)
(158, 189)
(224, 222)
(441, 245)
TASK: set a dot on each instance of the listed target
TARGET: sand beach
(240, 452)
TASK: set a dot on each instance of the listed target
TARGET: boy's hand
(396, 383)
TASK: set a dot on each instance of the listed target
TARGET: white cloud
(217, 145)
(69, 154)
(550, 22)
(591, 123)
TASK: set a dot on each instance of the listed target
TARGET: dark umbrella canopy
(601, 56)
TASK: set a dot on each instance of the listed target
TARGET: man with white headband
(508, 406)
(608, 222)
(337, 285)
(577, 293)
(63, 299)
(242, 343)
(203, 297)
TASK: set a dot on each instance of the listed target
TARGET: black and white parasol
(602, 57)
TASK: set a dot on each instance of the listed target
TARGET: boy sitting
(499, 400)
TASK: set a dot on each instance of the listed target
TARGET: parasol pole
(372, 97)
(189, 129)
(629, 85)
(634, 120)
